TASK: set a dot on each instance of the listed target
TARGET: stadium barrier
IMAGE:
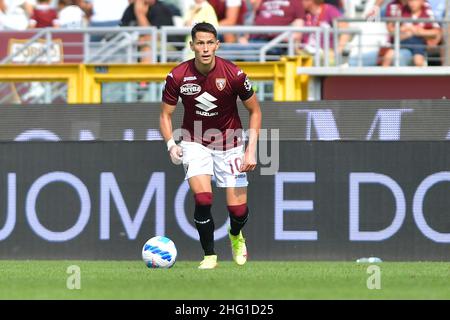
(363, 83)
(341, 199)
(327, 201)
(85, 80)
(404, 120)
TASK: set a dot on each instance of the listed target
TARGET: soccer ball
(159, 252)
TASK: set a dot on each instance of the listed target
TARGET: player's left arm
(252, 105)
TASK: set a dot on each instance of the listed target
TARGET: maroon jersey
(425, 13)
(398, 9)
(210, 111)
(277, 13)
(44, 16)
(220, 7)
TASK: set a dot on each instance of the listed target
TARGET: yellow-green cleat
(238, 248)
(208, 262)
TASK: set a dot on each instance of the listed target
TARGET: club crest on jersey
(190, 89)
(221, 83)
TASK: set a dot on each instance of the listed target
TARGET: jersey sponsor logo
(221, 83)
(247, 84)
(206, 104)
(190, 89)
(206, 114)
(192, 78)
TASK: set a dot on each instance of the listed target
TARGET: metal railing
(125, 40)
(96, 45)
(122, 45)
(99, 44)
(443, 47)
(242, 51)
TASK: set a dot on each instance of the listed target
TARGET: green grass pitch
(255, 280)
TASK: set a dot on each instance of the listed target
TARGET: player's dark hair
(203, 27)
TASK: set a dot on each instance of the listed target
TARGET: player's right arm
(169, 101)
(165, 121)
(165, 126)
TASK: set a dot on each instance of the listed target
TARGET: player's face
(204, 46)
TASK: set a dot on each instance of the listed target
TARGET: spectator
(276, 13)
(432, 42)
(44, 15)
(103, 13)
(414, 34)
(437, 6)
(393, 9)
(229, 13)
(320, 14)
(200, 11)
(70, 16)
(145, 13)
(365, 46)
(14, 14)
(436, 47)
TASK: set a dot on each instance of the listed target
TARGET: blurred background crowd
(418, 39)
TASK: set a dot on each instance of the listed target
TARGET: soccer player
(212, 140)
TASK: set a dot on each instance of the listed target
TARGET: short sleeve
(242, 85)
(171, 91)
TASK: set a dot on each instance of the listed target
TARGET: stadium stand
(44, 15)
(200, 11)
(230, 13)
(357, 34)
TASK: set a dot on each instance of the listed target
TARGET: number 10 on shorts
(235, 165)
